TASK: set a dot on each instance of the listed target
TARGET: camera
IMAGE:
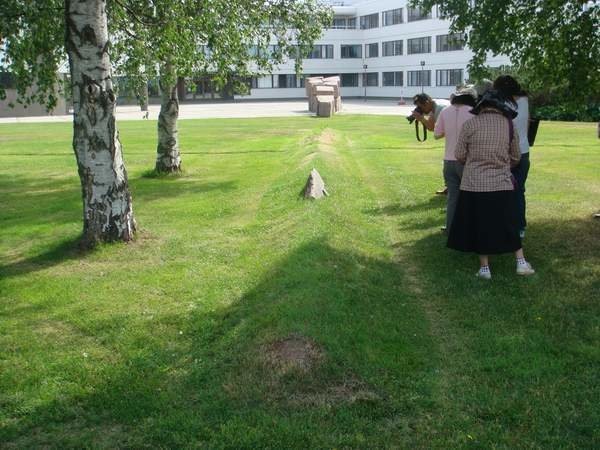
(412, 117)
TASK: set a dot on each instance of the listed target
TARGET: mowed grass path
(168, 341)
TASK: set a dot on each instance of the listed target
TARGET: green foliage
(556, 41)
(583, 113)
(189, 36)
(550, 102)
(161, 343)
(32, 48)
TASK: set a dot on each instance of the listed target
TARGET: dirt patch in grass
(294, 353)
(300, 357)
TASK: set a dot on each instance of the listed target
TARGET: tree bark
(144, 97)
(168, 158)
(107, 204)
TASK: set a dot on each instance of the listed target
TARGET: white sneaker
(525, 269)
(487, 275)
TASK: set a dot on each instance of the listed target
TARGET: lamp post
(365, 78)
(422, 72)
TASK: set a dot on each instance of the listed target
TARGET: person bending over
(430, 110)
(427, 110)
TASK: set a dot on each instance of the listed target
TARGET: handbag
(534, 123)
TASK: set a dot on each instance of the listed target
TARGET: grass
(168, 341)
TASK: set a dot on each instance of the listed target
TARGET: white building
(380, 48)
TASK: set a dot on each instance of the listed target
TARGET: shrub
(589, 113)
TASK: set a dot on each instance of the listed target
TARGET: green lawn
(245, 317)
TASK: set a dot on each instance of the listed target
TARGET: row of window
(444, 43)
(444, 77)
(388, 18)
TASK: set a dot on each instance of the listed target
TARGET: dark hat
(494, 99)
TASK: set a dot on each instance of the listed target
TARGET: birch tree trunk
(168, 158)
(144, 97)
(107, 205)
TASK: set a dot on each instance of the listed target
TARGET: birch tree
(228, 40)
(35, 38)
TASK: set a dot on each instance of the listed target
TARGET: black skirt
(485, 223)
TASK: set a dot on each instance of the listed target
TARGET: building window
(391, 17)
(349, 80)
(391, 48)
(321, 52)
(371, 79)
(450, 42)
(344, 23)
(255, 51)
(370, 21)
(418, 14)
(372, 50)
(393, 78)
(351, 51)
(264, 82)
(287, 81)
(419, 77)
(418, 45)
(449, 77)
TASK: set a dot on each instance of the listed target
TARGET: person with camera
(427, 111)
(485, 221)
(510, 88)
(448, 126)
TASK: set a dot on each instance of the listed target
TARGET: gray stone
(315, 186)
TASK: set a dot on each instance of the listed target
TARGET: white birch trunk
(144, 97)
(168, 158)
(107, 206)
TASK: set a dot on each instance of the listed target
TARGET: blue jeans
(520, 173)
(453, 171)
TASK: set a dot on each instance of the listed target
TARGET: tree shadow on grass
(61, 251)
(415, 216)
(57, 202)
(206, 378)
(172, 186)
(32, 203)
(398, 209)
(528, 345)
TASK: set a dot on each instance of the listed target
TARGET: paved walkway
(239, 109)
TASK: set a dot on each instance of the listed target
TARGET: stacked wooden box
(323, 95)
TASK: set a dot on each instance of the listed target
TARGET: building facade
(380, 48)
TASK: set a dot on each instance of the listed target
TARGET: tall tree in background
(557, 42)
(157, 39)
(36, 36)
(226, 40)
